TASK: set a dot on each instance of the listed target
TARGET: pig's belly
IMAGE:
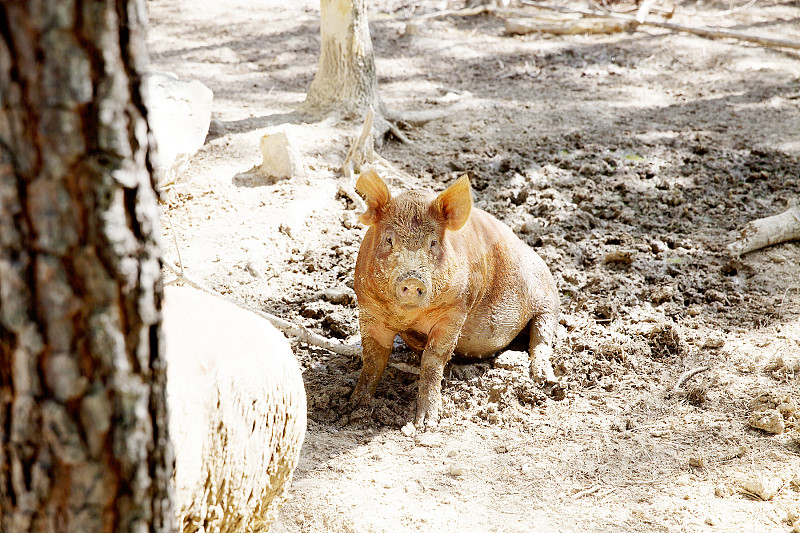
(485, 335)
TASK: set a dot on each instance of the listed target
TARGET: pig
(447, 278)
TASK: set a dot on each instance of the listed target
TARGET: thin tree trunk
(83, 427)
(345, 80)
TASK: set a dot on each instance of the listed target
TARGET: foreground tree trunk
(345, 80)
(83, 427)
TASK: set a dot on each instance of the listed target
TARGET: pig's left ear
(376, 193)
(454, 204)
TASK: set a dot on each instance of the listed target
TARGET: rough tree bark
(345, 80)
(83, 427)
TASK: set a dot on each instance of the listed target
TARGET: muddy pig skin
(446, 277)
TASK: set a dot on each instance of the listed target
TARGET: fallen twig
(586, 492)
(362, 150)
(767, 231)
(467, 12)
(566, 27)
(286, 327)
(404, 367)
(689, 374)
(711, 33)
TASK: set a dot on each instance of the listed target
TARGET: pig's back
(509, 285)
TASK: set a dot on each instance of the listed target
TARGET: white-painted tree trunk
(345, 81)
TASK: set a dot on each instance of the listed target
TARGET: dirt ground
(628, 161)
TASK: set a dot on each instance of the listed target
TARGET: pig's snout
(411, 290)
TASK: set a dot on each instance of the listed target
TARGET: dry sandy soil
(628, 161)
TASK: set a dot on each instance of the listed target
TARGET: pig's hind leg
(542, 330)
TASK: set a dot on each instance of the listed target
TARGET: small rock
(662, 294)
(762, 489)
(770, 421)
(793, 515)
(339, 295)
(694, 310)
(764, 400)
(714, 341)
(722, 491)
(408, 430)
(513, 360)
(281, 158)
(456, 470)
(787, 409)
(429, 440)
(501, 448)
(350, 219)
(697, 462)
(658, 247)
(452, 453)
(624, 257)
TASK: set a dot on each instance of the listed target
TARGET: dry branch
(711, 33)
(686, 376)
(767, 231)
(286, 327)
(362, 151)
(566, 27)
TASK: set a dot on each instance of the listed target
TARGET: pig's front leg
(377, 347)
(542, 335)
(438, 351)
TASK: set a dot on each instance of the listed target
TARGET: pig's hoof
(556, 391)
(361, 408)
(542, 374)
(427, 421)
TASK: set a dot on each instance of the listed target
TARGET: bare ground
(627, 160)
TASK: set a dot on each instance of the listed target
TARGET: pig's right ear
(376, 193)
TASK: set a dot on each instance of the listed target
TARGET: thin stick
(689, 374)
(711, 33)
(587, 492)
(299, 332)
(405, 367)
(175, 240)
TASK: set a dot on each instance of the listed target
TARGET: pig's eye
(388, 241)
(434, 243)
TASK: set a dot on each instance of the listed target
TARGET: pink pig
(445, 276)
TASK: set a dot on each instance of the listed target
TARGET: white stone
(513, 360)
(281, 158)
(179, 113)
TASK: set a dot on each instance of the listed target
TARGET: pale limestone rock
(281, 158)
(179, 113)
(769, 420)
(237, 413)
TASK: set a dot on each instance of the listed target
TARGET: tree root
(686, 376)
(284, 326)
